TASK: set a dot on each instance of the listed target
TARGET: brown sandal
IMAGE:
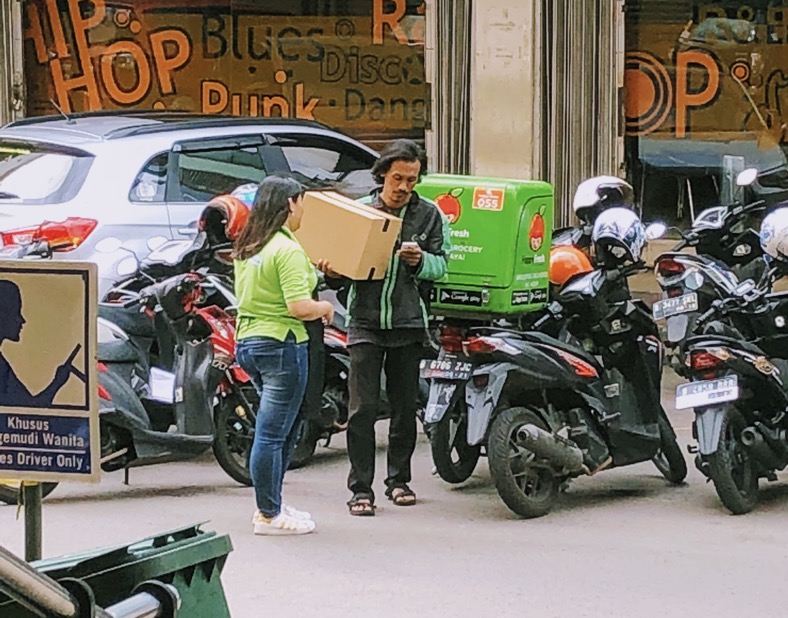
(361, 506)
(401, 495)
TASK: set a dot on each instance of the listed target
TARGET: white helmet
(774, 234)
(618, 236)
(599, 193)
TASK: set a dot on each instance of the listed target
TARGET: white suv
(138, 176)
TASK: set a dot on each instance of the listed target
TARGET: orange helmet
(222, 219)
(566, 261)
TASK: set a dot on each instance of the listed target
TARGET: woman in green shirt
(274, 281)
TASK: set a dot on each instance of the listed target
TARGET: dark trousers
(401, 365)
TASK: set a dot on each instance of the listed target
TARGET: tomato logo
(450, 205)
(536, 231)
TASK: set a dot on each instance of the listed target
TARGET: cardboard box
(356, 240)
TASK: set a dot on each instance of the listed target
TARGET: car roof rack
(164, 120)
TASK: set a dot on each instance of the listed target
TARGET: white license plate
(673, 306)
(446, 368)
(707, 392)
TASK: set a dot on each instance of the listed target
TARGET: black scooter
(577, 395)
(739, 390)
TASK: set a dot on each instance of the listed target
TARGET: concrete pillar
(504, 115)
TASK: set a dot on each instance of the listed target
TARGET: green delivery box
(501, 232)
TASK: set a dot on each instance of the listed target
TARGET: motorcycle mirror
(155, 242)
(656, 230)
(110, 244)
(747, 177)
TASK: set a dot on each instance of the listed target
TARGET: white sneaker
(288, 510)
(294, 512)
(281, 525)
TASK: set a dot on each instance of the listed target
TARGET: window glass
(706, 96)
(151, 183)
(207, 173)
(32, 174)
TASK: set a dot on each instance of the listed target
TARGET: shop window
(706, 95)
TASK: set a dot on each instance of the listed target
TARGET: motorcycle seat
(542, 338)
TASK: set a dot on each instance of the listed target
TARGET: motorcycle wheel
(454, 459)
(334, 408)
(10, 491)
(233, 436)
(732, 469)
(669, 460)
(306, 445)
(528, 490)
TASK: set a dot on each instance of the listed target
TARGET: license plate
(446, 368)
(707, 392)
(673, 306)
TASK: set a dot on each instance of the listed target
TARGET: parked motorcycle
(446, 420)
(738, 386)
(578, 394)
(727, 251)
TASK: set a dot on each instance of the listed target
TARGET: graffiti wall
(358, 66)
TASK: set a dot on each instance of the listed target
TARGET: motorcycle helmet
(246, 193)
(618, 236)
(222, 220)
(774, 234)
(567, 261)
(597, 194)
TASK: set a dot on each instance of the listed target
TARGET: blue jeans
(279, 373)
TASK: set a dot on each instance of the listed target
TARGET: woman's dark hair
(399, 150)
(269, 213)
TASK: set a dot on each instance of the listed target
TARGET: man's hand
(411, 254)
(324, 267)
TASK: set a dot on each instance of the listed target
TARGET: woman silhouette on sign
(13, 393)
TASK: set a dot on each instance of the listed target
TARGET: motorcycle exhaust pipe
(559, 452)
(760, 449)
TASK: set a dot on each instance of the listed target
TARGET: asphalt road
(621, 544)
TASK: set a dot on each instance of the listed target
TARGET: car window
(150, 185)
(203, 174)
(38, 174)
(319, 161)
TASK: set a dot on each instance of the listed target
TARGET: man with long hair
(388, 325)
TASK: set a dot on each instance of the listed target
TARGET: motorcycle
(739, 393)
(727, 251)
(576, 395)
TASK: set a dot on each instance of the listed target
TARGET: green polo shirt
(280, 273)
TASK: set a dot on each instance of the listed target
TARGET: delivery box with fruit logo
(501, 232)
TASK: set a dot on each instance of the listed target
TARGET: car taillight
(668, 267)
(61, 235)
(451, 339)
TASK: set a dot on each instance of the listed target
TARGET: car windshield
(36, 174)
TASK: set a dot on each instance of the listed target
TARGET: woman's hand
(324, 267)
(328, 312)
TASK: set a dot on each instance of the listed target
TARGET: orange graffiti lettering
(57, 29)
(125, 48)
(685, 99)
(305, 112)
(214, 97)
(270, 102)
(380, 19)
(165, 65)
(34, 32)
(63, 86)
